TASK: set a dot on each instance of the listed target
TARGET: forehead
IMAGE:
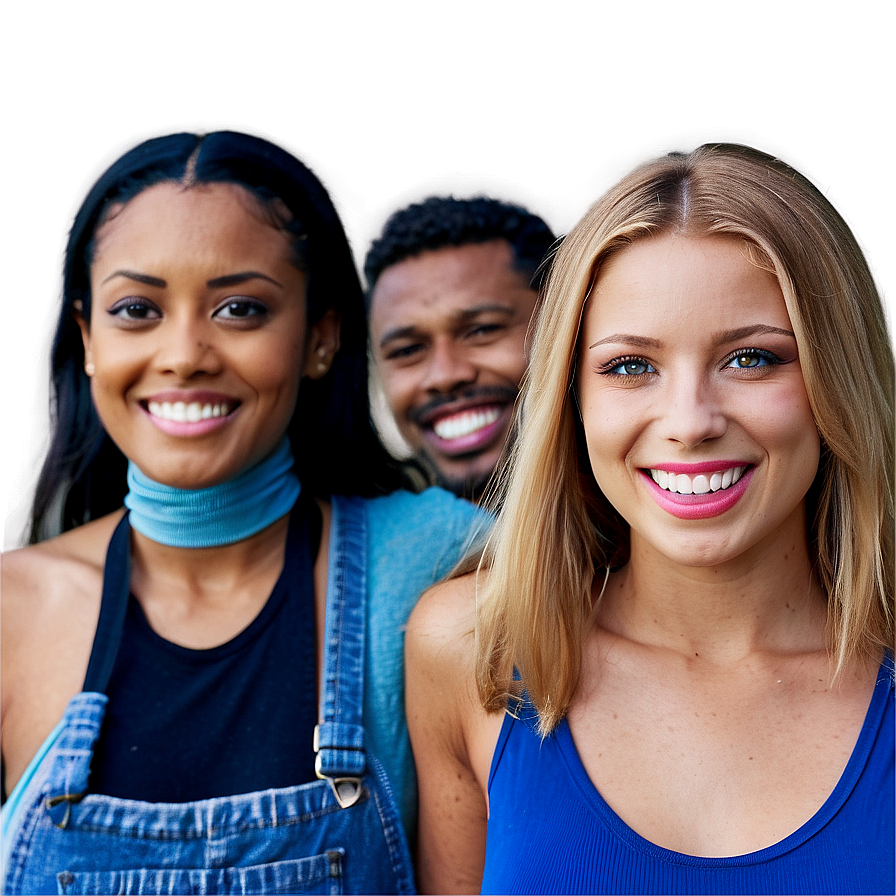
(444, 282)
(700, 281)
(168, 218)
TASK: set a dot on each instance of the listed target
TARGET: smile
(192, 412)
(700, 484)
(465, 423)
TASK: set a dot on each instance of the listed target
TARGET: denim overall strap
(339, 737)
(71, 768)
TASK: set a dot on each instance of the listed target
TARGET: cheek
(608, 440)
(116, 371)
(273, 366)
(612, 419)
(508, 357)
(781, 418)
(400, 385)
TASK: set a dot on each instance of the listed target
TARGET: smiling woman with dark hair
(198, 688)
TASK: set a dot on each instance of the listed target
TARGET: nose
(693, 411)
(448, 367)
(187, 348)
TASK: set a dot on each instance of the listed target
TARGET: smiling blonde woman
(686, 606)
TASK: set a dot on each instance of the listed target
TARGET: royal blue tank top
(550, 831)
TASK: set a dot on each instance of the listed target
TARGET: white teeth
(465, 423)
(701, 484)
(181, 412)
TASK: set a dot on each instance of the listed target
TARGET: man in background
(451, 287)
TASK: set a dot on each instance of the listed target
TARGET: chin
(471, 485)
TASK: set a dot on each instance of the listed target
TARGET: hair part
(556, 529)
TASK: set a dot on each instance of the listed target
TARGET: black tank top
(186, 725)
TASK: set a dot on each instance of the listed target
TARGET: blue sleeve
(414, 541)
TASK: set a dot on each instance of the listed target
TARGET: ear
(323, 343)
(84, 327)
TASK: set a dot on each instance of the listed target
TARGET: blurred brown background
(557, 97)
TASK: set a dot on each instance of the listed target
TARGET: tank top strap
(339, 735)
(113, 609)
(73, 753)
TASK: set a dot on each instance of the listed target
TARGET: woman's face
(693, 403)
(198, 338)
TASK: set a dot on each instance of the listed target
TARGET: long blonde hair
(555, 528)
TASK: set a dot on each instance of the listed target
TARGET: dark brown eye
(134, 309)
(241, 309)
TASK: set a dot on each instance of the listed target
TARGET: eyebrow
(214, 283)
(463, 315)
(722, 337)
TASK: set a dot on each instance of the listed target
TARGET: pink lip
(475, 441)
(709, 466)
(698, 507)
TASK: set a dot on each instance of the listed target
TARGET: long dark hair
(334, 442)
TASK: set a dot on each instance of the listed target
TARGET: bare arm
(452, 738)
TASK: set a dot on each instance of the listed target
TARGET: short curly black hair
(441, 221)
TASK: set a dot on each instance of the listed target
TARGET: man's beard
(471, 487)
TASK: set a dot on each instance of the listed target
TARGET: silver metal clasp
(347, 790)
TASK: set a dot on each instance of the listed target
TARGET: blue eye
(629, 367)
(751, 358)
(240, 309)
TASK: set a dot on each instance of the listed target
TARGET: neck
(216, 516)
(754, 604)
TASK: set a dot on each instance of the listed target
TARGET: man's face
(448, 330)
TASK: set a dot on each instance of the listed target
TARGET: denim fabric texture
(291, 840)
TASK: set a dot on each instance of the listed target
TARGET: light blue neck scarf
(218, 515)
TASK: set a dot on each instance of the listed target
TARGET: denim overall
(340, 834)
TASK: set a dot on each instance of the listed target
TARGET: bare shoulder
(51, 600)
(445, 616)
(440, 651)
(443, 702)
(48, 576)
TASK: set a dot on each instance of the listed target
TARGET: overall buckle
(346, 788)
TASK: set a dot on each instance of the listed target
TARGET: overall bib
(339, 834)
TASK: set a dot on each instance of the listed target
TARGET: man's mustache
(483, 394)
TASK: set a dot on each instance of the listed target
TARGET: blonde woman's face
(693, 403)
